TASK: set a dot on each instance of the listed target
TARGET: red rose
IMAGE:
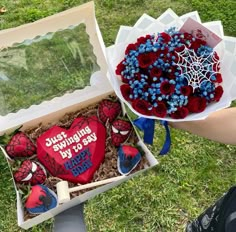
(197, 44)
(167, 88)
(126, 91)
(216, 67)
(216, 57)
(165, 51)
(186, 90)
(197, 104)
(155, 72)
(160, 110)
(124, 80)
(218, 93)
(158, 53)
(187, 36)
(146, 87)
(219, 78)
(180, 113)
(171, 75)
(143, 39)
(137, 76)
(174, 55)
(129, 48)
(120, 67)
(166, 59)
(166, 37)
(146, 59)
(179, 49)
(142, 106)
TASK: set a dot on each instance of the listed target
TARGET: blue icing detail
(80, 163)
(84, 166)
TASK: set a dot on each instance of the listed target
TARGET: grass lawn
(194, 174)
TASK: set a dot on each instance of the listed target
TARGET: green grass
(196, 171)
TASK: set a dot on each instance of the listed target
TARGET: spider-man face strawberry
(108, 110)
(20, 146)
(30, 172)
(40, 200)
(120, 131)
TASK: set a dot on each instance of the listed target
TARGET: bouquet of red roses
(172, 74)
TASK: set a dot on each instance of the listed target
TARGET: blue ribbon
(147, 126)
(166, 146)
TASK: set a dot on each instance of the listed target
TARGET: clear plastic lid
(50, 64)
(44, 68)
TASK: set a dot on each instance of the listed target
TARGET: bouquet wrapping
(173, 68)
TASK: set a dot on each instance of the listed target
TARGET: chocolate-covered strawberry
(18, 145)
(30, 172)
(120, 132)
(108, 110)
(40, 200)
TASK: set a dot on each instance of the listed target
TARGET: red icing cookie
(74, 154)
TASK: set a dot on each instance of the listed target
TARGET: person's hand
(219, 126)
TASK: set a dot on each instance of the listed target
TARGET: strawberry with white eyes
(120, 132)
(30, 172)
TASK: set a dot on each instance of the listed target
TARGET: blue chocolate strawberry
(40, 200)
(128, 159)
(108, 110)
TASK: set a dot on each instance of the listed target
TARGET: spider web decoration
(197, 69)
(55, 168)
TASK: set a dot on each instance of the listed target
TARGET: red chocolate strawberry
(121, 130)
(108, 110)
(30, 172)
(18, 145)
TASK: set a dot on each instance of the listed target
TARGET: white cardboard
(51, 111)
(194, 15)
(82, 14)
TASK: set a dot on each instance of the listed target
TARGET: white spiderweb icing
(196, 69)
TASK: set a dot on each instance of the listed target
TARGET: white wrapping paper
(226, 50)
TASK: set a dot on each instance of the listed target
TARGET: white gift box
(149, 25)
(52, 108)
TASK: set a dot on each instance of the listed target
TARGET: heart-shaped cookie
(74, 154)
(108, 110)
